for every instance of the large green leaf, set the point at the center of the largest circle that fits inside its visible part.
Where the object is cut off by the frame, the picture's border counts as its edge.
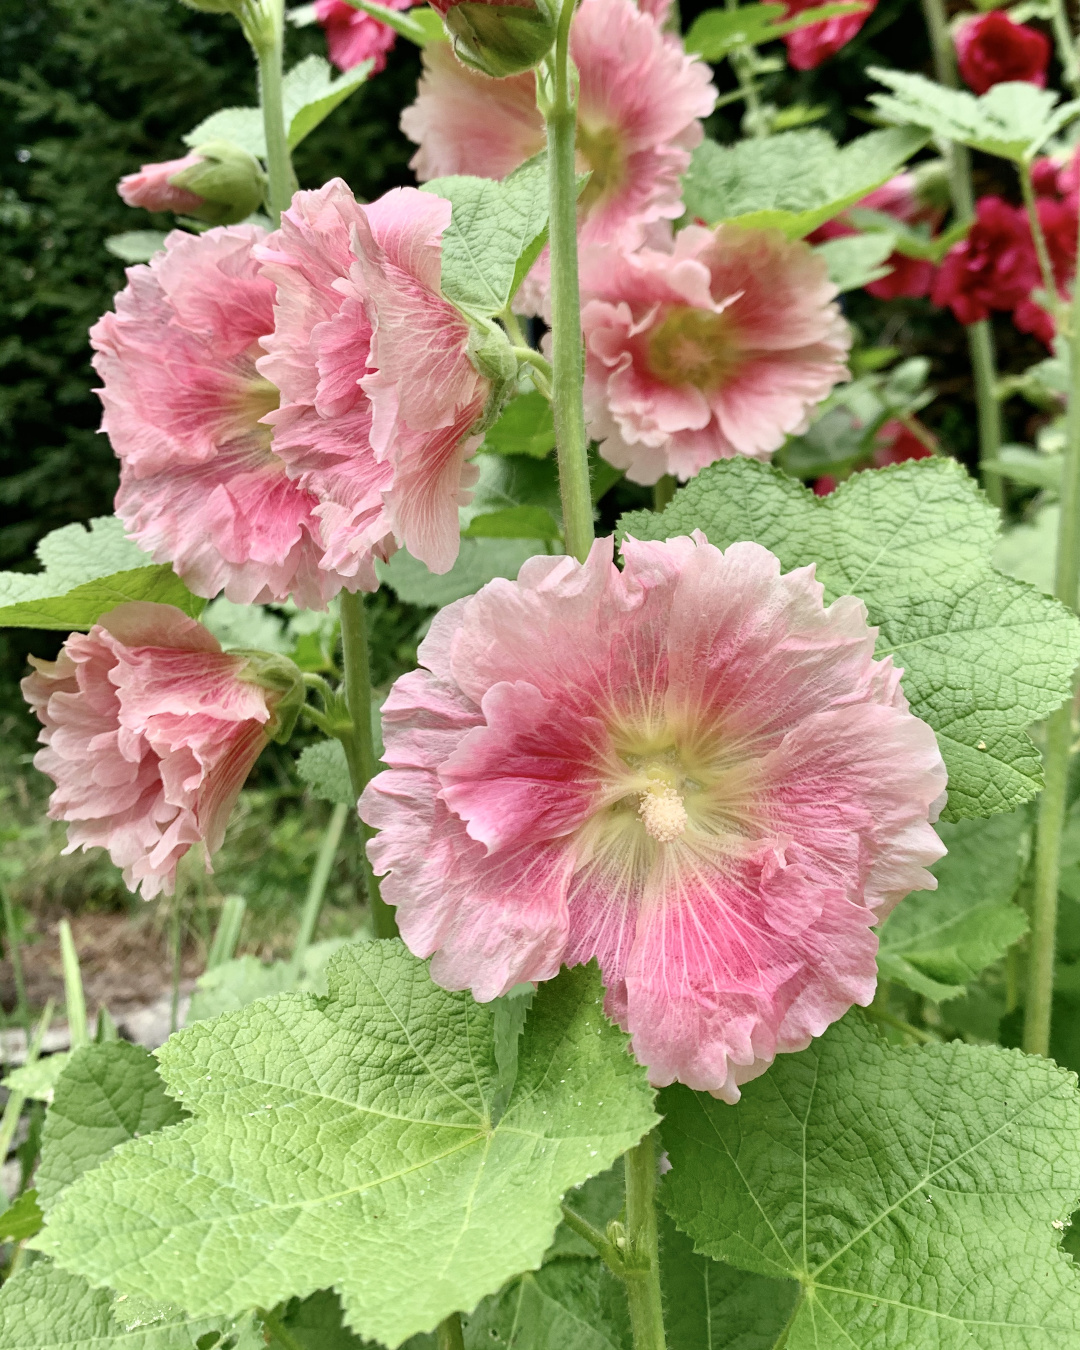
(935, 942)
(526, 426)
(493, 225)
(347, 1141)
(106, 1095)
(478, 562)
(87, 573)
(45, 1308)
(983, 655)
(718, 31)
(310, 93)
(709, 1305)
(917, 1195)
(236, 983)
(794, 181)
(855, 260)
(324, 770)
(1013, 120)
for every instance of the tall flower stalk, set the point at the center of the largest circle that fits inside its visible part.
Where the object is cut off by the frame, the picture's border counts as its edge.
(265, 30)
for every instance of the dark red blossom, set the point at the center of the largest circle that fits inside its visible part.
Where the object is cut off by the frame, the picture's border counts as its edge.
(995, 267)
(810, 46)
(991, 49)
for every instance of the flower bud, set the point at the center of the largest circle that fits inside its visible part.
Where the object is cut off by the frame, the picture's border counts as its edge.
(218, 183)
(492, 355)
(499, 40)
(229, 181)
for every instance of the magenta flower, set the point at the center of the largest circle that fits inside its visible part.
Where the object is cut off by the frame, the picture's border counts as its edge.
(379, 396)
(808, 47)
(640, 100)
(993, 49)
(150, 730)
(200, 486)
(150, 187)
(353, 36)
(690, 769)
(718, 348)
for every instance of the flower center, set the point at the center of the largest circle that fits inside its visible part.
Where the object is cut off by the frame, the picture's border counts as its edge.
(694, 346)
(600, 152)
(662, 812)
(258, 398)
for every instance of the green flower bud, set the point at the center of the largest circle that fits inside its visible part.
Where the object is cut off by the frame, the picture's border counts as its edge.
(500, 40)
(230, 181)
(492, 355)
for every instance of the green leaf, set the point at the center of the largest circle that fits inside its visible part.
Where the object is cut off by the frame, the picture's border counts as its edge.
(44, 1308)
(983, 655)
(136, 246)
(346, 1141)
(325, 772)
(515, 497)
(37, 1081)
(917, 1195)
(421, 25)
(235, 983)
(936, 942)
(1028, 551)
(570, 1304)
(515, 522)
(709, 1305)
(718, 31)
(492, 226)
(526, 426)
(310, 94)
(22, 1218)
(854, 260)
(106, 1095)
(87, 573)
(1012, 120)
(479, 561)
(794, 181)
(1021, 464)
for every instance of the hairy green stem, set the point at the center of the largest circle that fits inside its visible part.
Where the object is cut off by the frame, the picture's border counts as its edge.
(560, 113)
(980, 335)
(1059, 735)
(359, 745)
(320, 876)
(1066, 45)
(267, 36)
(448, 1334)
(642, 1260)
(1046, 267)
(592, 1235)
(14, 953)
(280, 1334)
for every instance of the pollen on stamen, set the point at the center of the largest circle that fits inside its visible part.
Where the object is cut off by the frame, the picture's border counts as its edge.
(663, 814)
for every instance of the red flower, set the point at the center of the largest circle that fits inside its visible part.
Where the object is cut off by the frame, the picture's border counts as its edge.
(896, 442)
(993, 268)
(992, 49)
(909, 276)
(810, 46)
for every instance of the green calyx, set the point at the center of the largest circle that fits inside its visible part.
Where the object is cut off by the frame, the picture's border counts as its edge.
(230, 181)
(282, 678)
(500, 40)
(492, 355)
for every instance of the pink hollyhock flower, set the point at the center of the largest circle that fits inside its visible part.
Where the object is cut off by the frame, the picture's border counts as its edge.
(718, 348)
(639, 103)
(379, 395)
(993, 268)
(353, 36)
(992, 49)
(200, 485)
(150, 730)
(690, 769)
(808, 47)
(150, 187)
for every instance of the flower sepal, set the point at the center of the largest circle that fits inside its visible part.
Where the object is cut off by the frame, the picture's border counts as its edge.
(282, 677)
(500, 40)
(229, 180)
(492, 355)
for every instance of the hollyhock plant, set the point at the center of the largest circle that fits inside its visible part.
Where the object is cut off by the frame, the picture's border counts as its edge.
(150, 730)
(353, 36)
(808, 47)
(690, 769)
(720, 347)
(992, 49)
(379, 394)
(200, 484)
(640, 101)
(995, 267)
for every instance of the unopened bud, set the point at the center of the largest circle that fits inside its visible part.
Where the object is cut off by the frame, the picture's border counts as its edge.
(492, 355)
(499, 39)
(229, 182)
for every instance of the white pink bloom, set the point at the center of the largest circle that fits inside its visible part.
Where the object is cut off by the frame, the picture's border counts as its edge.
(200, 486)
(719, 347)
(379, 394)
(690, 769)
(639, 103)
(353, 36)
(150, 730)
